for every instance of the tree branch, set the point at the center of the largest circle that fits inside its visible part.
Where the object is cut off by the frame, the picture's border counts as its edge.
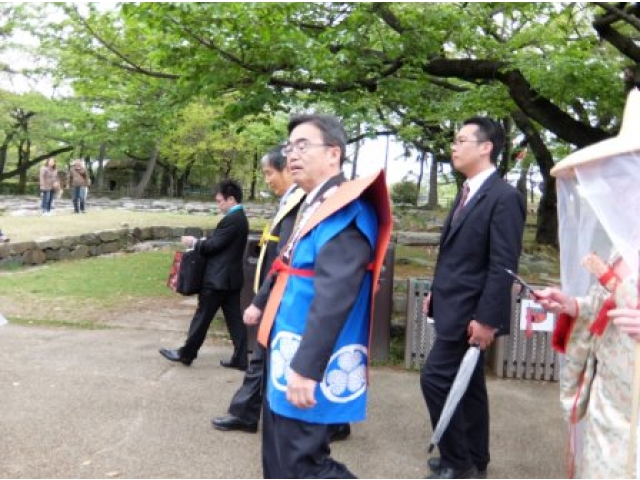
(618, 14)
(36, 160)
(362, 136)
(129, 65)
(606, 31)
(523, 94)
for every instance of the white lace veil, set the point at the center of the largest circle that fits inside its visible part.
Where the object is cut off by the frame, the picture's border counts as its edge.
(599, 211)
(599, 203)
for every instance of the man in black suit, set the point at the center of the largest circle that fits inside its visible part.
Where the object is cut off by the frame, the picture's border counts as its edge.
(470, 299)
(223, 280)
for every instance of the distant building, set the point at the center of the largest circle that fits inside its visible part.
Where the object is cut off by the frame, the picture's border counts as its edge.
(122, 175)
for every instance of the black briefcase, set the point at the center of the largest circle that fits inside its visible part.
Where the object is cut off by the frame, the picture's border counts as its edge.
(187, 272)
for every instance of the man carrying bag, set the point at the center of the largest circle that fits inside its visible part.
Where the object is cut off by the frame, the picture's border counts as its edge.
(222, 282)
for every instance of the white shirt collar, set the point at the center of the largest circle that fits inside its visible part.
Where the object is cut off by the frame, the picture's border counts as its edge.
(290, 190)
(477, 180)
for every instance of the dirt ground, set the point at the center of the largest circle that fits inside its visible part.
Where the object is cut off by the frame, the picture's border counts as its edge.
(159, 314)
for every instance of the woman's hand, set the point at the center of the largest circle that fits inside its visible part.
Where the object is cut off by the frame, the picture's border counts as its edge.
(627, 320)
(556, 301)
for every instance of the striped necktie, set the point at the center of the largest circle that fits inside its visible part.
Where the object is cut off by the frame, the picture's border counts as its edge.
(463, 199)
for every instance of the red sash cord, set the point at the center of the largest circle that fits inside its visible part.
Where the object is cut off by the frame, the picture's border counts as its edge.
(602, 319)
(561, 332)
(599, 325)
(279, 266)
(608, 275)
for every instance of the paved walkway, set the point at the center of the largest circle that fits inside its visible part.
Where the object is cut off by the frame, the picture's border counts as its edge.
(105, 404)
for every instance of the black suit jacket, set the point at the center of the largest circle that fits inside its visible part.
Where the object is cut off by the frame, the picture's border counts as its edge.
(224, 250)
(469, 281)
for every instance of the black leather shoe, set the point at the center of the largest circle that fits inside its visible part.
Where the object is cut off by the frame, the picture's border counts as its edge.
(453, 473)
(230, 422)
(174, 356)
(339, 432)
(230, 364)
(435, 464)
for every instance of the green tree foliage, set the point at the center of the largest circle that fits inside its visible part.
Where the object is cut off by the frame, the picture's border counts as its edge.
(550, 71)
(405, 193)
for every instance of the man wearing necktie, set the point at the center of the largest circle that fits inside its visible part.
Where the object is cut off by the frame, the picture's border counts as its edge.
(470, 298)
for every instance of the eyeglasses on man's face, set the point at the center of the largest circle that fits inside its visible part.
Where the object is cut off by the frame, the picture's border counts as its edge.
(459, 141)
(301, 146)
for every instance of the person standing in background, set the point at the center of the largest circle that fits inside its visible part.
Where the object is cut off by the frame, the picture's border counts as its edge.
(48, 181)
(79, 182)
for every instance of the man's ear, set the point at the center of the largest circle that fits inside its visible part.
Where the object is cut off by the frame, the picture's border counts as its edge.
(335, 156)
(487, 147)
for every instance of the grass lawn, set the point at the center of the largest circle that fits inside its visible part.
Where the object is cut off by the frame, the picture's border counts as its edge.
(22, 229)
(85, 292)
(105, 280)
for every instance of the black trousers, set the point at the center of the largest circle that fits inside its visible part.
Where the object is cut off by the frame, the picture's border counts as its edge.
(466, 440)
(209, 301)
(296, 449)
(247, 401)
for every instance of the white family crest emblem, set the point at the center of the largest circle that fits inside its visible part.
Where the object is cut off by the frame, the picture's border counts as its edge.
(346, 376)
(283, 348)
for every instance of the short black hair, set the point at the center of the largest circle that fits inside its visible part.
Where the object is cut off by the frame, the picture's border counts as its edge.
(274, 158)
(489, 131)
(229, 188)
(333, 133)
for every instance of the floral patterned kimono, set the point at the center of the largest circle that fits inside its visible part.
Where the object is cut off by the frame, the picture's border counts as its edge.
(599, 213)
(606, 425)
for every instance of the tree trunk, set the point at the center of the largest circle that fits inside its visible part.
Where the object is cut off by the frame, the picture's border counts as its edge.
(24, 152)
(99, 175)
(521, 185)
(421, 158)
(547, 226)
(356, 154)
(182, 180)
(144, 182)
(505, 159)
(4, 148)
(433, 184)
(254, 176)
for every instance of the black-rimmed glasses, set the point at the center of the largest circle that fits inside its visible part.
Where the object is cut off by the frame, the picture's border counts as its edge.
(301, 146)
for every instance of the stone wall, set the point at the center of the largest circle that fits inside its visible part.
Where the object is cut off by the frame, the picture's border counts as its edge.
(128, 240)
(88, 244)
